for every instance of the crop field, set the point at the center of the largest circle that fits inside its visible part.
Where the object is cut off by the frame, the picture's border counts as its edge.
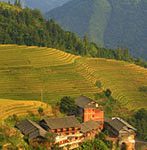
(28, 72)
(127, 82)
(33, 73)
(10, 107)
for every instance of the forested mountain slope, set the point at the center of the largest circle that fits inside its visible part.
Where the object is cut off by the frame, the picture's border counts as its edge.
(109, 23)
(43, 5)
(28, 27)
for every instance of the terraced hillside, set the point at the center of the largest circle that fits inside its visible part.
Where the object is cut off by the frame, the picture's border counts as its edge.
(26, 72)
(10, 107)
(32, 72)
(128, 82)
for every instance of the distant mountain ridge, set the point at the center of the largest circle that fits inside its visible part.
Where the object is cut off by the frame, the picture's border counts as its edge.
(43, 5)
(109, 23)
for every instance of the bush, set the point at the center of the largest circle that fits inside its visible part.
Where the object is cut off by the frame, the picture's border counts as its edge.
(98, 84)
(95, 144)
(139, 120)
(108, 92)
(40, 110)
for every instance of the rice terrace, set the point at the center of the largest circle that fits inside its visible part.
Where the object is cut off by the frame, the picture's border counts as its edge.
(26, 73)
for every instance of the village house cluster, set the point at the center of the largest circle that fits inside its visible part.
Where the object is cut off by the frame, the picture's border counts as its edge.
(69, 133)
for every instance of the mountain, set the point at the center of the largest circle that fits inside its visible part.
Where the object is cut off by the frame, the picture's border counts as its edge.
(109, 23)
(84, 17)
(28, 27)
(43, 5)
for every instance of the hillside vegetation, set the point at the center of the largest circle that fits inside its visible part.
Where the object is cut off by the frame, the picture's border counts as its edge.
(43, 5)
(28, 27)
(29, 72)
(108, 23)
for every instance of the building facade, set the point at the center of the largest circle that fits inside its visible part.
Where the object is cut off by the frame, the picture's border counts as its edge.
(122, 131)
(67, 130)
(90, 110)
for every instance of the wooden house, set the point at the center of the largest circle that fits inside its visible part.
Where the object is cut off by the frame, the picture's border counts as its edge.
(68, 130)
(32, 131)
(89, 109)
(123, 131)
(90, 129)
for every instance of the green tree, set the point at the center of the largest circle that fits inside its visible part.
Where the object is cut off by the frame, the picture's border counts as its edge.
(95, 144)
(139, 120)
(40, 110)
(108, 92)
(67, 106)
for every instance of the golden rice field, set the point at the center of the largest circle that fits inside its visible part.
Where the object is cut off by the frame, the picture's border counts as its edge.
(11, 107)
(125, 80)
(28, 72)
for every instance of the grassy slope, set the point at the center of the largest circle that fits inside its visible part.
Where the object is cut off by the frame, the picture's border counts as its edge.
(26, 71)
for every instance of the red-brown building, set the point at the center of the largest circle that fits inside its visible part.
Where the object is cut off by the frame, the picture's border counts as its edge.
(90, 110)
(67, 129)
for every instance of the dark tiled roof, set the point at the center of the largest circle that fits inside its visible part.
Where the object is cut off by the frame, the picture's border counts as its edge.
(89, 126)
(31, 129)
(119, 124)
(85, 102)
(58, 123)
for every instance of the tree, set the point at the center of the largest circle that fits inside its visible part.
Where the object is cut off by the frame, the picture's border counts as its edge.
(67, 106)
(17, 3)
(108, 92)
(139, 121)
(95, 144)
(28, 27)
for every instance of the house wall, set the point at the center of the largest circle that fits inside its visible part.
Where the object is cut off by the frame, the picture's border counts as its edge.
(112, 132)
(93, 114)
(91, 134)
(129, 141)
(66, 131)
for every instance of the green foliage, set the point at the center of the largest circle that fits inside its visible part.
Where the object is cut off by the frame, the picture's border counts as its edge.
(143, 89)
(102, 137)
(50, 137)
(67, 106)
(140, 62)
(108, 92)
(111, 106)
(98, 84)
(12, 138)
(17, 3)
(40, 110)
(99, 143)
(95, 144)
(139, 120)
(28, 27)
(106, 23)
